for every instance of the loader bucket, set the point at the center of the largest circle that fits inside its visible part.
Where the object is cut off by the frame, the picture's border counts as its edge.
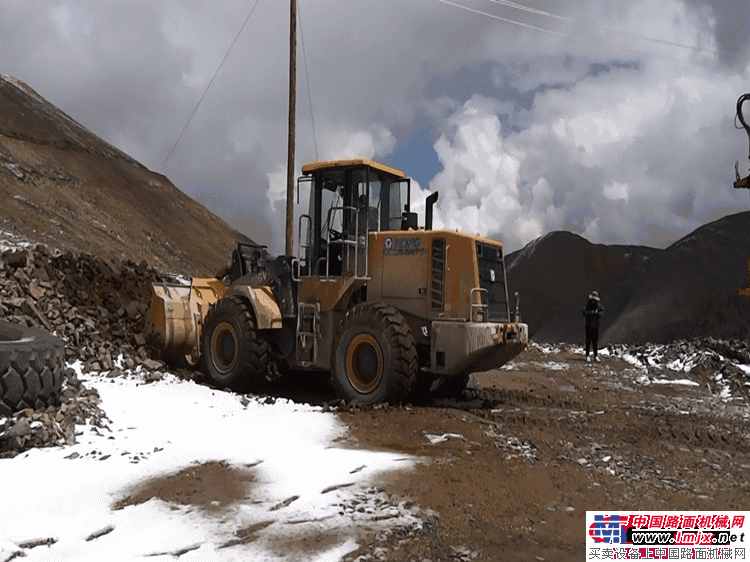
(173, 323)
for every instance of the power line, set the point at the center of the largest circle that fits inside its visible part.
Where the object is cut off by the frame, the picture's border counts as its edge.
(209, 85)
(536, 11)
(307, 79)
(528, 9)
(514, 22)
(566, 35)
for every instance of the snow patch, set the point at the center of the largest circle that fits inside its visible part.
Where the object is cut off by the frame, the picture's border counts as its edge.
(14, 169)
(548, 365)
(685, 382)
(159, 428)
(10, 241)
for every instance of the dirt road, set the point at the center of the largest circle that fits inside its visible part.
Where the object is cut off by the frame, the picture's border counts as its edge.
(508, 472)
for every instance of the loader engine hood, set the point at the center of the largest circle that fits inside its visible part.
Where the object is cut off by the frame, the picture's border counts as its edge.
(440, 274)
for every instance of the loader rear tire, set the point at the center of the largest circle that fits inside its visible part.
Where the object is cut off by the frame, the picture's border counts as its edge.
(375, 357)
(235, 356)
(31, 368)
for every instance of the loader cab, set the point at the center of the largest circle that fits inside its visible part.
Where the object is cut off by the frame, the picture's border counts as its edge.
(348, 199)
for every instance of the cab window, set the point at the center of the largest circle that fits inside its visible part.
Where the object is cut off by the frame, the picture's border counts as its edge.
(330, 208)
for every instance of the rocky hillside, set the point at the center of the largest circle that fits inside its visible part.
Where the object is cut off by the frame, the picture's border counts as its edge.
(686, 290)
(64, 186)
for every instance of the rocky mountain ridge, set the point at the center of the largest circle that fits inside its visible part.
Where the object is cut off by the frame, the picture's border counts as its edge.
(63, 186)
(686, 290)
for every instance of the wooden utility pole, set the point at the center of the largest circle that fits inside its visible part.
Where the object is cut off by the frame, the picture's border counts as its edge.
(291, 132)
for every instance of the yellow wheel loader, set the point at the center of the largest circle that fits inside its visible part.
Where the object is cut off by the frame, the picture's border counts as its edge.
(387, 307)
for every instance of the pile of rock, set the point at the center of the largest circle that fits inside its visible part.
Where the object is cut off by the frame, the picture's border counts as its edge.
(733, 349)
(96, 306)
(713, 361)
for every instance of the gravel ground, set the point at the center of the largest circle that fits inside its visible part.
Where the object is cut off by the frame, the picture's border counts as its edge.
(509, 471)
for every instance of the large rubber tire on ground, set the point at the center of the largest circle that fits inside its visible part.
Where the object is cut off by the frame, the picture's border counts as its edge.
(235, 356)
(374, 355)
(31, 368)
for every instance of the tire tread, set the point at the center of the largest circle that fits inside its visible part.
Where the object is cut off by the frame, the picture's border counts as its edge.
(31, 368)
(403, 349)
(250, 373)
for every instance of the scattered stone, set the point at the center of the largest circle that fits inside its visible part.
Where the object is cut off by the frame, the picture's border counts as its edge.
(285, 503)
(176, 553)
(153, 376)
(35, 290)
(153, 365)
(38, 542)
(515, 447)
(100, 533)
(14, 258)
(133, 309)
(82, 299)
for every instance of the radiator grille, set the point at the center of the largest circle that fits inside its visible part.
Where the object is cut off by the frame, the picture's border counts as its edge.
(492, 279)
(437, 278)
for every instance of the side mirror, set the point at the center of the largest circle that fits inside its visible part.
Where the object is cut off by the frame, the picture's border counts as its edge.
(409, 220)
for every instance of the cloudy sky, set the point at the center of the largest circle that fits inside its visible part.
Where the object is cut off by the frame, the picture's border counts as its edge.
(610, 118)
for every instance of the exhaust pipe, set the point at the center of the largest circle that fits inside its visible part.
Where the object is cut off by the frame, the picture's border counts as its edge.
(431, 199)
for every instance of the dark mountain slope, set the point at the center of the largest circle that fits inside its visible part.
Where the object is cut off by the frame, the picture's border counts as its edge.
(688, 289)
(555, 274)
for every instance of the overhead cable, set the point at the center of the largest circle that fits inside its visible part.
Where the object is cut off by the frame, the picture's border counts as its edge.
(506, 20)
(536, 11)
(307, 79)
(208, 86)
(559, 34)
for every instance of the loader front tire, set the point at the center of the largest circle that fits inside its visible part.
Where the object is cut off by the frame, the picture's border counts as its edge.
(375, 357)
(235, 356)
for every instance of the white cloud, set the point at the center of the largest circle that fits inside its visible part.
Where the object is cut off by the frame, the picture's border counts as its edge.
(478, 183)
(616, 190)
(600, 131)
(375, 141)
(608, 157)
(70, 20)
